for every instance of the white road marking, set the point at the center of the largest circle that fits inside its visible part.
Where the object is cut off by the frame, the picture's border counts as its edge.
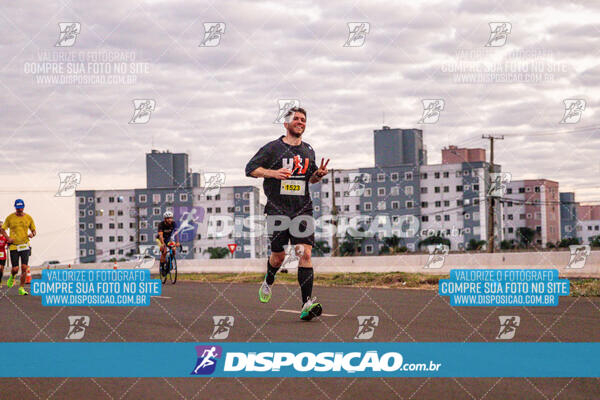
(162, 297)
(298, 312)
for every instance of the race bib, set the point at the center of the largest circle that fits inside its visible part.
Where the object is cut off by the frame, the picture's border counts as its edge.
(294, 187)
(22, 247)
(1, 254)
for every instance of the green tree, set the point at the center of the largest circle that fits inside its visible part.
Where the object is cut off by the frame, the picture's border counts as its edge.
(568, 242)
(320, 248)
(595, 241)
(393, 245)
(507, 244)
(217, 252)
(525, 236)
(475, 244)
(436, 239)
(351, 245)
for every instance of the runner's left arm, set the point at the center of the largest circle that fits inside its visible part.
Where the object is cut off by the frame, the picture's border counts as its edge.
(32, 229)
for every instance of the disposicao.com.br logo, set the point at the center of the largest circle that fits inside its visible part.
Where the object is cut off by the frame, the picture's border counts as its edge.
(308, 363)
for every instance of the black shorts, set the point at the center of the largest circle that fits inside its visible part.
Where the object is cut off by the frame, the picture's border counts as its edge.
(2, 263)
(23, 255)
(301, 231)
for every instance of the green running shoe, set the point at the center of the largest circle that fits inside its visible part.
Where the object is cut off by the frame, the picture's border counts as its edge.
(264, 293)
(11, 281)
(311, 309)
(22, 291)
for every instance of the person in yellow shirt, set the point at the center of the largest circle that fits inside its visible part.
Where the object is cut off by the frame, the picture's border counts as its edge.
(20, 225)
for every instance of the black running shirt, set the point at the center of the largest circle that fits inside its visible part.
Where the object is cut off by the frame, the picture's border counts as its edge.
(290, 197)
(167, 230)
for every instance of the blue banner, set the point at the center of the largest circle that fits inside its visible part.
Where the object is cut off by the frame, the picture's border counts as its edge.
(301, 360)
(96, 287)
(504, 287)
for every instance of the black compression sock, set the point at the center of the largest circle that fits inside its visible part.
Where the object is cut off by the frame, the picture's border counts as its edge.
(1, 272)
(305, 279)
(271, 271)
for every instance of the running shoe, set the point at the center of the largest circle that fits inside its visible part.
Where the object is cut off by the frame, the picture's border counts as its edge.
(311, 309)
(11, 281)
(264, 293)
(22, 291)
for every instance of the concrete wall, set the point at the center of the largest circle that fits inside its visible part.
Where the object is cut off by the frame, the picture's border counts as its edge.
(400, 263)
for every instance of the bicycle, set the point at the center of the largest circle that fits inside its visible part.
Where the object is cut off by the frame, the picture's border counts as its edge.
(170, 264)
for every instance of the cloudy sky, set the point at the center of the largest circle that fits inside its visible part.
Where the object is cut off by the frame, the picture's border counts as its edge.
(69, 107)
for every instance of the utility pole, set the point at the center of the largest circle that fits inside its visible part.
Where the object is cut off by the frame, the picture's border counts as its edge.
(334, 213)
(491, 199)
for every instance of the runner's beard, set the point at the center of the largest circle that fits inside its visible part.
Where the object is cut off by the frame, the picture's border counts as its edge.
(295, 134)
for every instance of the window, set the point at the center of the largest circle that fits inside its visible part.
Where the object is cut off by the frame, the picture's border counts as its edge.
(408, 190)
(459, 188)
(395, 205)
(111, 238)
(346, 208)
(156, 211)
(459, 203)
(438, 203)
(424, 204)
(111, 199)
(424, 175)
(409, 204)
(218, 210)
(380, 177)
(380, 192)
(325, 180)
(111, 226)
(90, 212)
(394, 191)
(337, 180)
(237, 195)
(346, 179)
(111, 213)
(120, 212)
(98, 199)
(119, 238)
(467, 216)
(183, 197)
(521, 190)
(521, 216)
(408, 176)
(367, 206)
(90, 199)
(155, 224)
(509, 204)
(476, 188)
(143, 237)
(369, 248)
(466, 172)
(436, 189)
(446, 203)
(156, 198)
(143, 224)
(82, 200)
(99, 239)
(368, 192)
(476, 216)
(317, 208)
(438, 217)
(446, 189)
(142, 198)
(510, 230)
(424, 218)
(509, 191)
(467, 187)
(446, 174)
(436, 175)
(423, 190)
(245, 196)
(81, 239)
(537, 189)
(510, 217)
(467, 230)
(246, 209)
(170, 197)
(458, 174)
(446, 217)
(529, 216)
(98, 226)
(394, 176)
(337, 194)
(82, 227)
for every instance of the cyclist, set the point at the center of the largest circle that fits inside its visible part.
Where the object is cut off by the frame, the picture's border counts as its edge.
(166, 232)
(19, 225)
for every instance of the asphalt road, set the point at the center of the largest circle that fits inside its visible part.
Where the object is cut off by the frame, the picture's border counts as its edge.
(184, 314)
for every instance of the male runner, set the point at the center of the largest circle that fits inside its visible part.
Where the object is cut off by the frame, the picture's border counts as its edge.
(166, 227)
(287, 166)
(3, 253)
(19, 225)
